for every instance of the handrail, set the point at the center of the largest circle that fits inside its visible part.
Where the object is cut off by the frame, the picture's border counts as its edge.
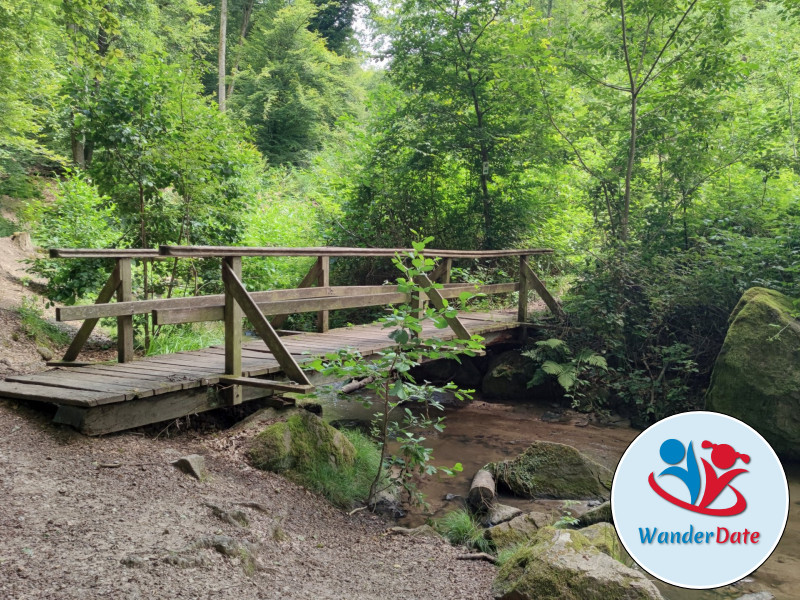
(223, 251)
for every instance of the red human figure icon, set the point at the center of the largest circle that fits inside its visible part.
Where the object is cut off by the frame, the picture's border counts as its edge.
(724, 457)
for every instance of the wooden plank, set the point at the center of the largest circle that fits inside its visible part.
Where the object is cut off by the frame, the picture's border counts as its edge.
(223, 251)
(310, 279)
(72, 363)
(144, 411)
(43, 393)
(141, 307)
(237, 291)
(324, 263)
(103, 253)
(540, 289)
(233, 327)
(116, 392)
(268, 384)
(436, 299)
(88, 326)
(124, 323)
(163, 377)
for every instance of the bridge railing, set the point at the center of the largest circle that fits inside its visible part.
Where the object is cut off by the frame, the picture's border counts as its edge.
(313, 294)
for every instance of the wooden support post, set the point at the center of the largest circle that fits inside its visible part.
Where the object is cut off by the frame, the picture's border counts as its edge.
(89, 324)
(324, 280)
(540, 289)
(524, 288)
(237, 291)
(442, 272)
(310, 279)
(125, 323)
(439, 302)
(233, 327)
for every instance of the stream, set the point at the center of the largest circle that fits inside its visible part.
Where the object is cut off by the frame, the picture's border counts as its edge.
(482, 432)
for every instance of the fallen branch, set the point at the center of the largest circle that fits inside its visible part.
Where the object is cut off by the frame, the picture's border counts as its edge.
(478, 556)
(356, 385)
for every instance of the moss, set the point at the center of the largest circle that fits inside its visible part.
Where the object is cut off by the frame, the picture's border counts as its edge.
(550, 470)
(755, 377)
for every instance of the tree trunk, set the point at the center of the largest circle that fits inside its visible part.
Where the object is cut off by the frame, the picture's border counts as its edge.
(482, 491)
(223, 28)
(626, 199)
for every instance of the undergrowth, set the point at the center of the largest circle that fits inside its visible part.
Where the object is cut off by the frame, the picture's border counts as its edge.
(460, 528)
(36, 327)
(6, 227)
(182, 338)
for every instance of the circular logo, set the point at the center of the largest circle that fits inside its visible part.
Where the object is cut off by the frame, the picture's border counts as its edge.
(700, 500)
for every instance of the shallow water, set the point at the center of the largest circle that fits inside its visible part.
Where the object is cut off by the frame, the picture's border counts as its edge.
(483, 432)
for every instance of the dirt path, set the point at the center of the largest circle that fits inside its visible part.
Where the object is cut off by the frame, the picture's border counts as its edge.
(72, 528)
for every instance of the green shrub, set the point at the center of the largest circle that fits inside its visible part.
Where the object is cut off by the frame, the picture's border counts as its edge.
(460, 528)
(6, 227)
(182, 338)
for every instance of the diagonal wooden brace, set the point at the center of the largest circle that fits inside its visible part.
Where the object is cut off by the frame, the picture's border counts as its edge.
(540, 289)
(234, 286)
(88, 325)
(313, 276)
(439, 302)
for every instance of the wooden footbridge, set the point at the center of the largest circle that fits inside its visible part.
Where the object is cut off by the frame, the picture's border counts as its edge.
(100, 398)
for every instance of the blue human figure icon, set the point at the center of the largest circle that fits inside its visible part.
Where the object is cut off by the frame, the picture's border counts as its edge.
(672, 452)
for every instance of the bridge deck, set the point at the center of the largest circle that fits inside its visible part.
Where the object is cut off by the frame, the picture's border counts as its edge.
(188, 376)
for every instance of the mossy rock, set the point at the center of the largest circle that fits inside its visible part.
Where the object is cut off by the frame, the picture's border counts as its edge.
(508, 376)
(599, 514)
(300, 442)
(604, 537)
(756, 377)
(519, 529)
(560, 564)
(551, 470)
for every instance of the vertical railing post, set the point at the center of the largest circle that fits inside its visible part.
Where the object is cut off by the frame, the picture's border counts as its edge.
(124, 324)
(524, 288)
(324, 280)
(233, 330)
(448, 266)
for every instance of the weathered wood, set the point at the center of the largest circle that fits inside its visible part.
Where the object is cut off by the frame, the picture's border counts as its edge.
(540, 289)
(356, 384)
(524, 288)
(324, 263)
(124, 391)
(71, 363)
(103, 253)
(481, 491)
(233, 325)
(441, 273)
(268, 384)
(222, 251)
(439, 302)
(310, 279)
(124, 324)
(88, 326)
(43, 393)
(237, 291)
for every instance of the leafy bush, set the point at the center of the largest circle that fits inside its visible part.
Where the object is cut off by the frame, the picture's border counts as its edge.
(460, 528)
(6, 227)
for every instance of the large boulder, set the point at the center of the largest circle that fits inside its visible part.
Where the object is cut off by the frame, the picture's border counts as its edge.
(551, 470)
(301, 441)
(519, 529)
(561, 564)
(757, 375)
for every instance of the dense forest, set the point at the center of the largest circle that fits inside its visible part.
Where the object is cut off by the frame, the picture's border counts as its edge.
(653, 144)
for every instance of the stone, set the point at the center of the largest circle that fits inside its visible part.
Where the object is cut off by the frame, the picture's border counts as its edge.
(508, 376)
(551, 470)
(561, 564)
(45, 352)
(756, 376)
(499, 513)
(194, 465)
(604, 537)
(465, 374)
(519, 529)
(301, 441)
(599, 514)
(757, 596)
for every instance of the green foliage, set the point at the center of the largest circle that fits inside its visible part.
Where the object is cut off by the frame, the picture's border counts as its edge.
(79, 217)
(460, 528)
(36, 327)
(393, 390)
(6, 227)
(180, 338)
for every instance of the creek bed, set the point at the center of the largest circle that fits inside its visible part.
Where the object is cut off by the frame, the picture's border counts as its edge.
(482, 432)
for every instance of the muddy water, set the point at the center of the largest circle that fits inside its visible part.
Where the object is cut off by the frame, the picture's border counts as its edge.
(483, 432)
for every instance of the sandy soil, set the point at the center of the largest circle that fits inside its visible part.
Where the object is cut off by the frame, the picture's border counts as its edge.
(73, 527)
